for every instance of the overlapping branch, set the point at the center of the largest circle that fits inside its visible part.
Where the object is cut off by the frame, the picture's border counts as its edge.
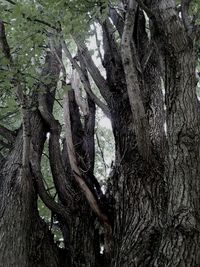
(75, 168)
(93, 70)
(85, 81)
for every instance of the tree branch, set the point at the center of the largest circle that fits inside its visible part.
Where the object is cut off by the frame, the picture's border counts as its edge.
(11, 2)
(98, 43)
(117, 20)
(146, 57)
(6, 145)
(8, 134)
(101, 153)
(66, 193)
(55, 207)
(75, 84)
(132, 79)
(85, 81)
(93, 70)
(185, 15)
(77, 174)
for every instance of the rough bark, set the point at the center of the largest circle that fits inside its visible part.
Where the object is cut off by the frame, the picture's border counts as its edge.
(132, 69)
(152, 202)
(180, 239)
(25, 238)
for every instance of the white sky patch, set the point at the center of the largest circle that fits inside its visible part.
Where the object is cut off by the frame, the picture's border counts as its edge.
(105, 122)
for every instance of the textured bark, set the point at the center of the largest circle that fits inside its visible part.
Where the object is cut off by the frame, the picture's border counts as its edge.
(25, 238)
(152, 201)
(84, 236)
(180, 239)
(132, 69)
(135, 186)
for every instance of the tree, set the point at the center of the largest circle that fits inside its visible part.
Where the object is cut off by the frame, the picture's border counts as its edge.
(149, 213)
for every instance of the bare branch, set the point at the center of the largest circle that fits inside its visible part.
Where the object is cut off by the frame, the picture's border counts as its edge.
(93, 70)
(77, 174)
(55, 207)
(117, 20)
(62, 184)
(101, 152)
(3, 42)
(85, 81)
(11, 2)
(9, 114)
(98, 42)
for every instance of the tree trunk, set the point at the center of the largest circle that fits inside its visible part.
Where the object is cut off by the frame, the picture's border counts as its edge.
(180, 238)
(25, 239)
(152, 208)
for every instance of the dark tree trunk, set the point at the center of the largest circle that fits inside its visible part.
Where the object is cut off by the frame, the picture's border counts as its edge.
(149, 215)
(25, 239)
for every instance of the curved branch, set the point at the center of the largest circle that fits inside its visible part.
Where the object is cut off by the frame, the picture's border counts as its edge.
(63, 187)
(55, 207)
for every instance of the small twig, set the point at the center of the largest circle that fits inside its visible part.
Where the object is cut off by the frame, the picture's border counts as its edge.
(98, 43)
(43, 153)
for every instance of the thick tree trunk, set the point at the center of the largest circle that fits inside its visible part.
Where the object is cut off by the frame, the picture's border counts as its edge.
(180, 244)
(25, 239)
(155, 186)
(138, 191)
